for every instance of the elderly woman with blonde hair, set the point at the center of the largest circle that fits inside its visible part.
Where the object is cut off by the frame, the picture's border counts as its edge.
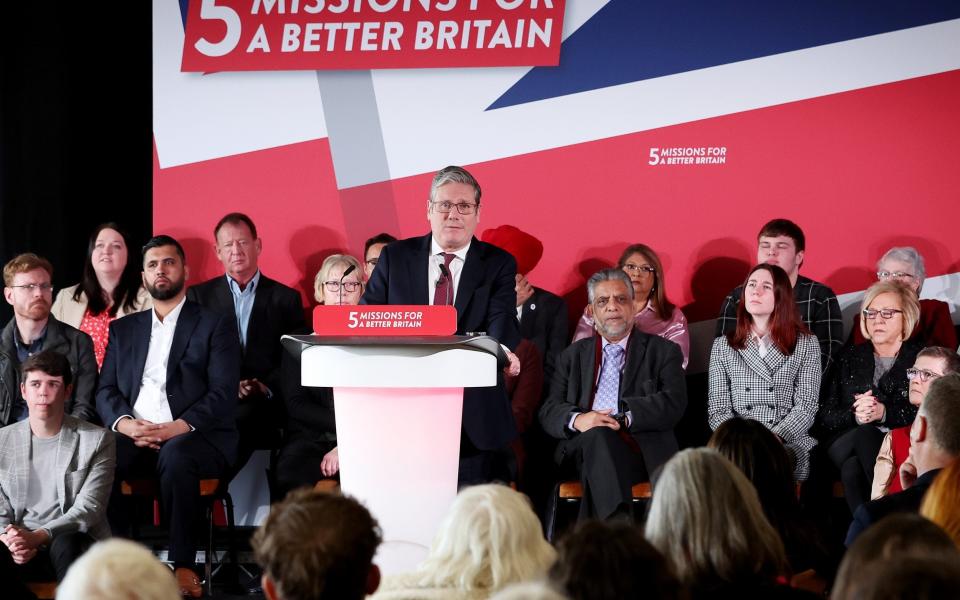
(706, 519)
(490, 538)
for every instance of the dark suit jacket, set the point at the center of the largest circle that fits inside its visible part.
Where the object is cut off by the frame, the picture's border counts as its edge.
(203, 372)
(277, 311)
(906, 501)
(853, 374)
(9, 388)
(486, 301)
(543, 321)
(653, 388)
(78, 348)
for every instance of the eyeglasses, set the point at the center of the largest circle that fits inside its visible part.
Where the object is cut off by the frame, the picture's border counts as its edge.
(921, 374)
(348, 286)
(464, 208)
(642, 269)
(32, 287)
(886, 313)
(881, 275)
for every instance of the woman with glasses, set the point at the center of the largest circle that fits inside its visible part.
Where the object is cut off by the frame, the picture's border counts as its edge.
(111, 288)
(867, 392)
(767, 368)
(932, 363)
(935, 327)
(655, 314)
(309, 451)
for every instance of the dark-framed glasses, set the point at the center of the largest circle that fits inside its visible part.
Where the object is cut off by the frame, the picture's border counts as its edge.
(464, 208)
(881, 275)
(921, 374)
(32, 287)
(348, 286)
(639, 269)
(886, 313)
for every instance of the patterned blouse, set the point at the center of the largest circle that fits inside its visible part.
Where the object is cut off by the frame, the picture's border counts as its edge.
(98, 328)
(647, 321)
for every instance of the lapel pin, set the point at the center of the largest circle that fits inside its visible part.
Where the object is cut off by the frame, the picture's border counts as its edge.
(533, 307)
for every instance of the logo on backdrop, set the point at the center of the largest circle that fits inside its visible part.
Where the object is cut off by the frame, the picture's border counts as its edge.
(687, 155)
(289, 35)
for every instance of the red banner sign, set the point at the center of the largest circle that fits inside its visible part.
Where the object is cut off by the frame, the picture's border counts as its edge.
(385, 320)
(289, 35)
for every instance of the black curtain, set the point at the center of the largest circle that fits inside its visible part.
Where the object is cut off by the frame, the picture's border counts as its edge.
(76, 146)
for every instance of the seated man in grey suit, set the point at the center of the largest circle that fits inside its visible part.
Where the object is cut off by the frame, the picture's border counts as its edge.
(615, 428)
(55, 477)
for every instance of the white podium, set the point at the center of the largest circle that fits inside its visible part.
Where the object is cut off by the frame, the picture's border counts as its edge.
(399, 403)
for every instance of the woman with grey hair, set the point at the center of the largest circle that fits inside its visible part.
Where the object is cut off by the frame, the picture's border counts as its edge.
(935, 327)
(705, 517)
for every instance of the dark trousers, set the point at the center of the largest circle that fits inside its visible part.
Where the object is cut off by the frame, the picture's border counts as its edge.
(855, 454)
(47, 564)
(481, 466)
(258, 422)
(608, 466)
(179, 466)
(298, 463)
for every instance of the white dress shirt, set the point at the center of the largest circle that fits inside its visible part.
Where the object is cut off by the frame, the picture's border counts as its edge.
(151, 402)
(433, 268)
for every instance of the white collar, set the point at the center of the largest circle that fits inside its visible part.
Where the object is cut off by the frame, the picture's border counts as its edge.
(436, 249)
(171, 317)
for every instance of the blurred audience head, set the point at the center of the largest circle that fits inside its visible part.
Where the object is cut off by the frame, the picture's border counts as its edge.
(317, 546)
(488, 539)
(643, 267)
(935, 433)
(903, 264)
(531, 590)
(706, 519)
(931, 363)
(610, 561)
(371, 251)
(941, 503)
(889, 312)
(118, 569)
(896, 539)
(339, 281)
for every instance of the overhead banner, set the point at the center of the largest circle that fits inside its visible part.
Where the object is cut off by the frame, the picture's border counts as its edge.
(292, 35)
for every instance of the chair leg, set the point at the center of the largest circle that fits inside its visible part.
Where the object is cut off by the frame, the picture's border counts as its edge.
(552, 513)
(231, 531)
(208, 555)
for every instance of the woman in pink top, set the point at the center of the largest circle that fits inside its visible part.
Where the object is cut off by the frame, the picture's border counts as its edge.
(656, 315)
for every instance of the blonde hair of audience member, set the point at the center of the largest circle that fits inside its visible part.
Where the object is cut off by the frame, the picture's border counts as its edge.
(941, 503)
(332, 269)
(531, 590)
(706, 519)
(909, 304)
(118, 569)
(488, 539)
(895, 538)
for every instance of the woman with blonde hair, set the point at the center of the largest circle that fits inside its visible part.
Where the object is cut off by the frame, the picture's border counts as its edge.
(706, 519)
(868, 390)
(941, 503)
(490, 538)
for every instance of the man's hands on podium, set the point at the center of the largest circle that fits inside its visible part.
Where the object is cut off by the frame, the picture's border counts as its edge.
(595, 418)
(147, 434)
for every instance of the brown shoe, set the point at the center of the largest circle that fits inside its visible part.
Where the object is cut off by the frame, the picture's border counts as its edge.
(189, 583)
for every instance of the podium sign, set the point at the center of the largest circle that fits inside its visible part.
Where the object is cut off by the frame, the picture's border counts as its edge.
(384, 320)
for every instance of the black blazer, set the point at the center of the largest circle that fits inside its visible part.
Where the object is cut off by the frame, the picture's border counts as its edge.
(853, 374)
(78, 348)
(277, 311)
(203, 372)
(543, 321)
(908, 500)
(309, 410)
(486, 301)
(9, 387)
(653, 388)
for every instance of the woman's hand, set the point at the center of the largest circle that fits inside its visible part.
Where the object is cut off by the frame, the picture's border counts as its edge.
(866, 408)
(330, 464)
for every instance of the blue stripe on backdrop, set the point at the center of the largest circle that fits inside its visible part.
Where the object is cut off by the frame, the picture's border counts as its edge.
(634, 40)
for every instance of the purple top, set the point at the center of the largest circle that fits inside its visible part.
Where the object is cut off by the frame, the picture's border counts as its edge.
(647, 321)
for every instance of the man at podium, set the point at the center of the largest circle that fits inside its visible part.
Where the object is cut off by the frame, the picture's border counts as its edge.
(450, 266)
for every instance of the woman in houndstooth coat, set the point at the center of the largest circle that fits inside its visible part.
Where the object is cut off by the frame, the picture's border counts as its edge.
(768, 368)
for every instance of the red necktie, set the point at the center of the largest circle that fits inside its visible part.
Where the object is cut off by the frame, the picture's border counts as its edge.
(443, 293)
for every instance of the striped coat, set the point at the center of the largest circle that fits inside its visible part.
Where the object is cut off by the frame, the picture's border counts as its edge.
(779, 391)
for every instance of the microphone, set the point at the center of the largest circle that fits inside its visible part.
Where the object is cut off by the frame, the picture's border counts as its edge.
(349, 270)
(445, 273)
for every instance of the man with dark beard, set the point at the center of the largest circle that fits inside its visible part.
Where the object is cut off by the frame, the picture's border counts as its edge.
(27, 288)
(169, 389)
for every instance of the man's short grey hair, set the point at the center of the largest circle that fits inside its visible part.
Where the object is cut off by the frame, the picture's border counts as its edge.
(608, 275)
(907, 254)
(941, 408)
(454, 174)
